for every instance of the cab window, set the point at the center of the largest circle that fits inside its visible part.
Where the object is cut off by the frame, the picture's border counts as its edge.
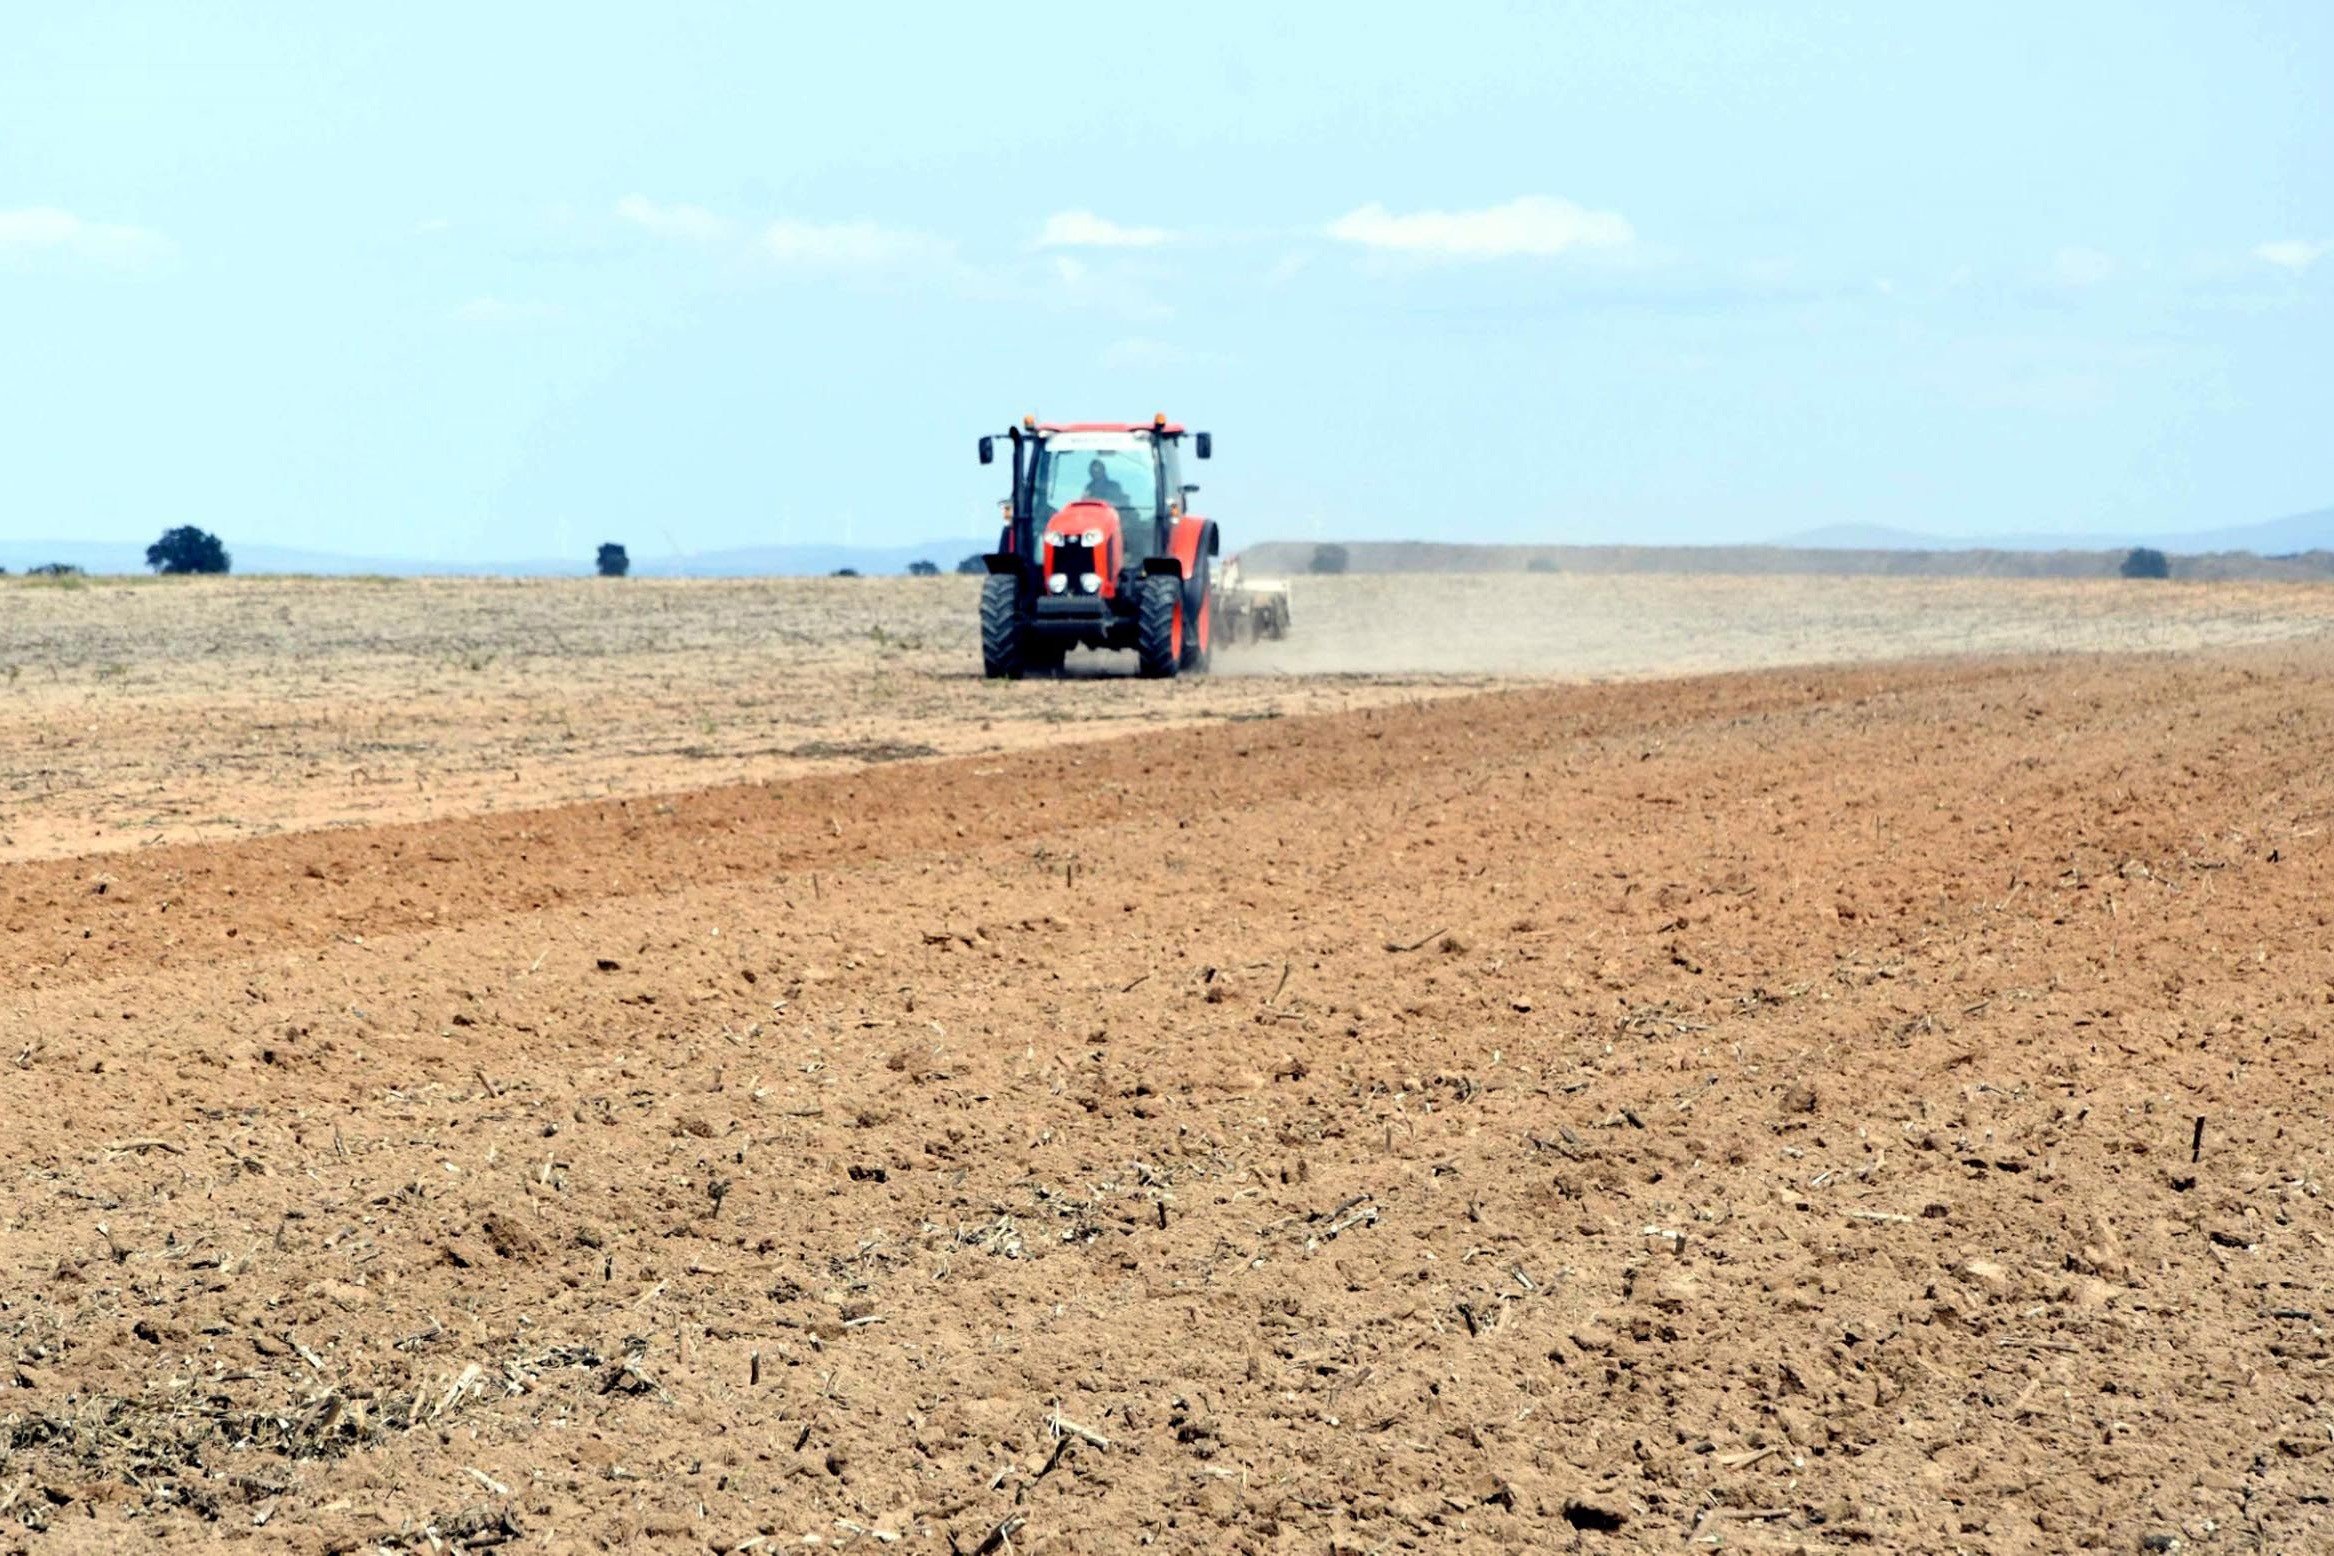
(1120, 471)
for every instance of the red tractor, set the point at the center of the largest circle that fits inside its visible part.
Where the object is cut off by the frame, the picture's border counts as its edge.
(1099, 548)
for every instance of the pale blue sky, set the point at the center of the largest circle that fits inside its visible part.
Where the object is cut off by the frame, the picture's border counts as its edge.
(478, 281)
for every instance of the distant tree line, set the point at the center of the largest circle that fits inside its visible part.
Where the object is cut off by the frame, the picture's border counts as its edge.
(186, 549)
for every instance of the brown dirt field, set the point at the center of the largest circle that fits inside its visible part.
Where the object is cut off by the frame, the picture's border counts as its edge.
(1751, 1112)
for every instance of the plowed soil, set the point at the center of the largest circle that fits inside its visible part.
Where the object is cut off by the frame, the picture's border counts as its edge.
(1877, 1108)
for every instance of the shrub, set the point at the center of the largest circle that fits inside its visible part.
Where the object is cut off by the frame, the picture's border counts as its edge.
(1329, 559)
(2147, 562)
(923, 569)
(973, 564)
(612, 561)
(188, 550)
(846, 572)
(54, 570)
(1542, 564)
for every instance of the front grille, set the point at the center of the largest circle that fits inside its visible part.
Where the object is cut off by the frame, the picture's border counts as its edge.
(1072, 561)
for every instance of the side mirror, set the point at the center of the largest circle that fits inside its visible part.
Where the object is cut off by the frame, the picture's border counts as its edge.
(988, 451)
(1204, 444)
(1188, 490)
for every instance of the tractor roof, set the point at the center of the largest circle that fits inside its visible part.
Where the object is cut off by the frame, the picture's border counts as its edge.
(1164, 428)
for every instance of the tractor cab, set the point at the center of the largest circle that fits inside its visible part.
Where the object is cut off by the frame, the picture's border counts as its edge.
(1097, 501)
(1098, 511)
(1123, 471)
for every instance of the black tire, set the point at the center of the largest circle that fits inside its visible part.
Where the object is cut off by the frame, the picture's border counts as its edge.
(1156, 610)
(1004, 646)
(1196, 609)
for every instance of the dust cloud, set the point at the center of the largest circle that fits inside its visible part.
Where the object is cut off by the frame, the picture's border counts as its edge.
(1590, 628)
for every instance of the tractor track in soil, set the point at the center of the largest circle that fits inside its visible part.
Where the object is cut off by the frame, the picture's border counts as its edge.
(1760, 1107)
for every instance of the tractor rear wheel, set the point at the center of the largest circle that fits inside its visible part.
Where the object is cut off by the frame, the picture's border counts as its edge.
(1004, 647)
(1159, 625)
(1199, 622)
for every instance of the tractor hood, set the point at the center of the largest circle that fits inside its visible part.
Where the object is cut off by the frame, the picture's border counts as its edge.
(1084, 539)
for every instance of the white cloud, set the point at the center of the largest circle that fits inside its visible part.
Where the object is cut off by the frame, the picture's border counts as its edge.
(851, 245)
(2082, 266)
(1536, 225)
(45, 229)
(692, 222)
(2294, 253)
(1085, 230)
(494, 310)
(1069, 282)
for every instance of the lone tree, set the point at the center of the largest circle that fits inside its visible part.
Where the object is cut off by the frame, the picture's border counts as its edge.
(1329, 559)
(612, 562)
(923, 569)
(846, 572)
(188, 550)
(2147, 562)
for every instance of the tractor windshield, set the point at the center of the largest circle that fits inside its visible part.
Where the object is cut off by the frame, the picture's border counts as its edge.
(1119, 468)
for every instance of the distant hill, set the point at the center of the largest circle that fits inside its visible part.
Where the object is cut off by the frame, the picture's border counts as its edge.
(788, 561)
(1878, 537)
(98, 556)
(110, 556)
(2312, 531)
(1283, 558)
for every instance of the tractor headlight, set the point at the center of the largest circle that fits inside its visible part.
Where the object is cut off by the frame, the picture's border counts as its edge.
(1055, 583)
(1052, 539)
(1090, 539)
(1090, 582)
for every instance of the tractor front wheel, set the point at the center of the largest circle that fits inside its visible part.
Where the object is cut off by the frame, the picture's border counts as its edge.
(1004, 646)
(1159, 625)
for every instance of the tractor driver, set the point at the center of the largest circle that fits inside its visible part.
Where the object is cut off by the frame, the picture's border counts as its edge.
(1101, 488)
